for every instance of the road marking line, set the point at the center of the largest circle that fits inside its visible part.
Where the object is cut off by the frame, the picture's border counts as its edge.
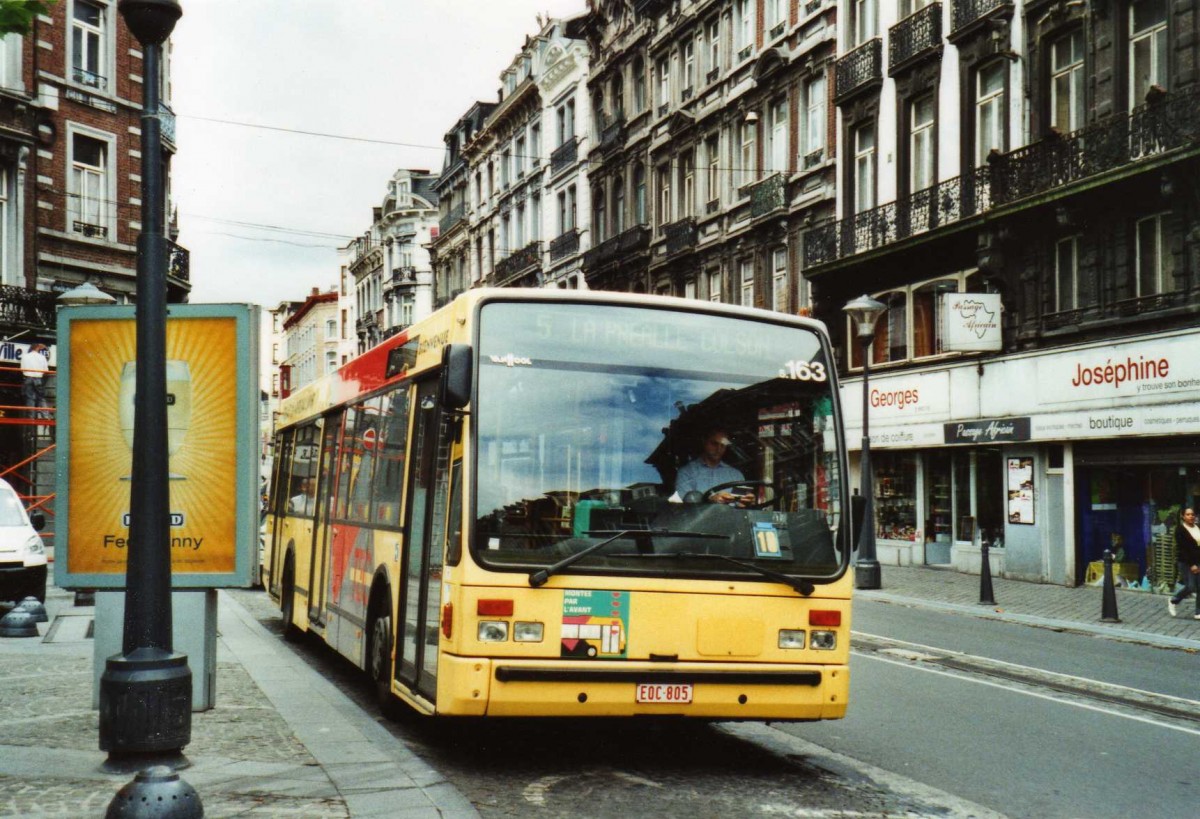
(1060, 699)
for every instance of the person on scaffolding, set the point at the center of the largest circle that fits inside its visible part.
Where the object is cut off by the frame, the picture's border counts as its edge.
(34, 367)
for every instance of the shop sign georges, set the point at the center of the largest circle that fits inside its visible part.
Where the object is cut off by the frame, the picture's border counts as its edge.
(912, 397)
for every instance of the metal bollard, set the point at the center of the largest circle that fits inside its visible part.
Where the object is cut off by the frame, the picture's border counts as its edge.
(156, 792)
(986, 596)
(1108, 608)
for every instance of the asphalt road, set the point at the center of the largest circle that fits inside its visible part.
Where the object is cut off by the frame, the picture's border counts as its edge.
(950, 716)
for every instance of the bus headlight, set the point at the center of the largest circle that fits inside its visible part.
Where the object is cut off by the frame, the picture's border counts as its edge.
(527, 632)
(824, 640)
(791, 638)
(493, 631)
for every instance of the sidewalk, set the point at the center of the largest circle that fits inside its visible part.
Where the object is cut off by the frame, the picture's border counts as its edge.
(281, 740)
(1144, 617)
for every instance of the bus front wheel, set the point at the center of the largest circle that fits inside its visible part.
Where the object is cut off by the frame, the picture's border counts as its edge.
(379, 665)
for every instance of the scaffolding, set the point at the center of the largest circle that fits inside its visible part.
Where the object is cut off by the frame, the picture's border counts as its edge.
(28, 446)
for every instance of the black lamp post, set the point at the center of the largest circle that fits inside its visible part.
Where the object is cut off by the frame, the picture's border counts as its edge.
(864, 312)
(146, 691)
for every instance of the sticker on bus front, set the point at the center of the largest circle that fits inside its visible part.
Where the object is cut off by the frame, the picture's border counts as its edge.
(766, 540)
(594, 623)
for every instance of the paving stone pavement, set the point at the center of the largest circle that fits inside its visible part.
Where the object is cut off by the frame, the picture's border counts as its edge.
(281, 741)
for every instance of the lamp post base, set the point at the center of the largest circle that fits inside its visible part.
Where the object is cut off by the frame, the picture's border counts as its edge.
(146, 703)
(867, 575)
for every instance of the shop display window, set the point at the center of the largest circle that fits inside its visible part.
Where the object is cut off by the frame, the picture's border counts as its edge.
(895, 496)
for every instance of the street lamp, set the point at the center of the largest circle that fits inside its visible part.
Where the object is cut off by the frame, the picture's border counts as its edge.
(864, 312)
(86, 293)
(146, 691)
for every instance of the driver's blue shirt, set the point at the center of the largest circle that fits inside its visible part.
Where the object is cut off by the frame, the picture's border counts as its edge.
(697, 476)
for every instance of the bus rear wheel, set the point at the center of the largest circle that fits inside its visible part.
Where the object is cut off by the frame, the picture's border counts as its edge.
(287, 601)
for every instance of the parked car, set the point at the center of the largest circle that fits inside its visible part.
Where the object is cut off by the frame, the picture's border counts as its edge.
(22, 554)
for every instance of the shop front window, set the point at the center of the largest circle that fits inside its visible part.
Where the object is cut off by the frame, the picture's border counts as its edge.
(895, 495)
(938, 522)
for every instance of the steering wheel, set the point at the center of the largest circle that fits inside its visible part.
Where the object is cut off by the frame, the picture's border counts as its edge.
(730, 484)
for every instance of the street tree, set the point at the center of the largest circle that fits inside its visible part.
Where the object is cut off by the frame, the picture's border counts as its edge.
(16, 16)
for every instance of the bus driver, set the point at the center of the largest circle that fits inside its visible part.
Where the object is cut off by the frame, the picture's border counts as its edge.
(708, 470)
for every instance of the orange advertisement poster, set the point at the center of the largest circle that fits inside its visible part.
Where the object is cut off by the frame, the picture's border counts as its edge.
(202, 371)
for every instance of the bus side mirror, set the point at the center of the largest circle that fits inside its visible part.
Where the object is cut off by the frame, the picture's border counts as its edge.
(456, 377)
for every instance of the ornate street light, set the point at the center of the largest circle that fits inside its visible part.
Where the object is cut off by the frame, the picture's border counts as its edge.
(146, 691)
(865, 312)
(86, 293)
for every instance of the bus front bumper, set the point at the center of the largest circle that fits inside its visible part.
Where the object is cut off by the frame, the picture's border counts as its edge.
(580, 688)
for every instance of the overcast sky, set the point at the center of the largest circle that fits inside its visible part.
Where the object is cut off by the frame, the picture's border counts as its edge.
(263, 209)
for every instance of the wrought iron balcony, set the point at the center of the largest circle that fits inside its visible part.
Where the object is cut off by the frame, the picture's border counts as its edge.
(634, 238)
(860, 69)
(767, 196)
(452, 217)
(777, 31)
(519, 261)
(712, 76)
(811, 6)
(90, 230)
(965, 12)
(916, 36)
(564, 155)
(648, 8)
(179, 262)
(27, 308)
(1053, 164)
(564, 245)
(404, 273)
(616, 247)
(90, 78)
(613, 133)
(680, 235)
(166, 123)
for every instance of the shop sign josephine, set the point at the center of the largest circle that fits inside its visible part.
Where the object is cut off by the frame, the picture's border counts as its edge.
(1165, 369)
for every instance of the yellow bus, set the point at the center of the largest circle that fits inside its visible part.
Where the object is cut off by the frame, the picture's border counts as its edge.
(563, 503)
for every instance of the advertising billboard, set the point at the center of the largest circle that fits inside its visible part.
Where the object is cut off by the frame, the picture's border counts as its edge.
(212, 441)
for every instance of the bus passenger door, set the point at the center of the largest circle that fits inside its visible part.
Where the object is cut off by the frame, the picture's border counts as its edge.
(326, 472)
(421, 568)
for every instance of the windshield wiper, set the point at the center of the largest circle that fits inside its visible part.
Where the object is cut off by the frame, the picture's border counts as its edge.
(540, 577)
(805, 587)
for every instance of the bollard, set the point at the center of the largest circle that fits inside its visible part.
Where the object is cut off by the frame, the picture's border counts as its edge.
(35, 608)
(18, 623)
(1108, 608)
(986, 596)
(156, 792)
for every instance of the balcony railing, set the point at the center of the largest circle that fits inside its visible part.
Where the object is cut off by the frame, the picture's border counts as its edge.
(613, 133)
(564, 245)
(518, 261)
(1044, 166)
(564, 155)
(649, 7)
(179, 262)
(615, 247)
(166, 123)
(918, 35)
(452, 217)
(965, 12)
(90, 230)
(712, 75)
(404, 273)
(27, 308)
(90, 78)
(767, 196)
(859, 68)
(680, 235)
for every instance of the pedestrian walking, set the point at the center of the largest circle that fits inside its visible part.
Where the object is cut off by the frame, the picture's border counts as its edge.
(34, 367)
(1187, 552)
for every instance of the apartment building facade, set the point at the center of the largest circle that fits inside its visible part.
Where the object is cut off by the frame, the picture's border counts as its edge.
(453, 255)
(714, 152)
(1023, 174)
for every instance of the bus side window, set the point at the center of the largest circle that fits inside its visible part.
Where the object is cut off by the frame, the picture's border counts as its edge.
(389, 472)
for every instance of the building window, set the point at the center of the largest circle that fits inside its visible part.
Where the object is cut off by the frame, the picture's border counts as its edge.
(89, 186)
(1066, 281)
(331, 361)
(989, 110)
(535, 217)
(88, 35)
(572, 198)
(664, 194)
(744, 21)
(746, 269)
(599, 223)
(689, 289)
(1154, 268)
(618, 97)
(921, 143)
(864, 168)
(748, 162)
(687, 193)
(712, 183)
(1147, 48)
(663, 78)
(639, 86)
(639, 194)
(865, 16)
(1066, 82)
(566, 122)
(779, 288)
(689, 66)
(714, 284)
(713, 36)
(618, 206)
(331, 329)
(912, 326)
(815, 122)
(776, 14)
(779, 136)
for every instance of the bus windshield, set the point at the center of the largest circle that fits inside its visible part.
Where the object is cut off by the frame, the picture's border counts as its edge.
(674, 435)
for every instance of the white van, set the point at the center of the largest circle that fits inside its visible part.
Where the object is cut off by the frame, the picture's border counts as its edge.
(22, 555)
